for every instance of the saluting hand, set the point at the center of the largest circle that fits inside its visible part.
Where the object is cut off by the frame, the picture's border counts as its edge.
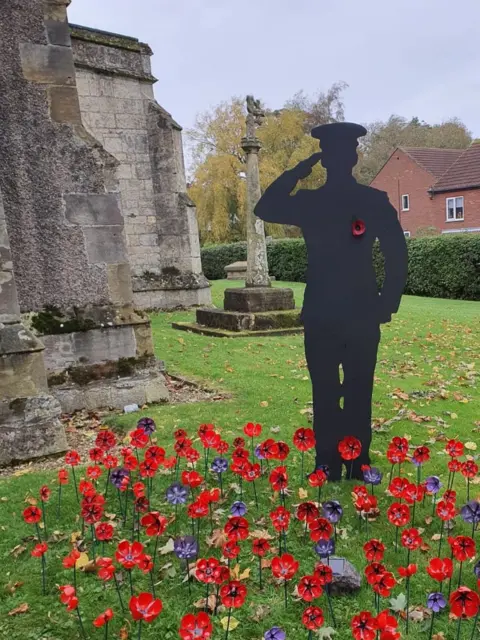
(304, 168)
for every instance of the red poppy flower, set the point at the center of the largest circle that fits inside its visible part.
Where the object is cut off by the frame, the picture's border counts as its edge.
(324, 573)
(203, 428)
(92, 512)
(307, 511)
(464, 603)
(384, 584)
(309, 588)
(39, 549)
(182, 445)
(236, 528)
(45, 493)
(233, 594)
(279, 479)
(138, 439)
(180, 433)
(312, 618)
(397, 487)
(62, 476)
(366, 504)
(195, 627)
(192, 455)
(407, 572)
(111, 462)
(284, 566)
(222, 575)
(145, 607)
(94, 472)
(387, 625)
(283, 451)
(317, 478)
(269, 449)
(373, 571)
(445, 510)
(138, 489)
(222, 447)
(32, 515)
(251, 472)
(197, 509)
(230, 549)
(411, 539)
(86, 488)
(394, 456)
(105, 440)
(364, 626)
(148, 468)
(72, 458)
(454, 465)
(439, 569)
(358, 228)
(104, 531)
(304, 439)
(399, 444)
(157, 454)
(421, 455)
(349, 448)
(239, 442)
(463, 548)
(154, 523)
(320, 529)
(252, 430)
(209, 496)
(469, 469)
(68, 596)
(280, 518)
(410, 492)
(398, 514)
(70, 561)
(128, 553)
(106, 569)
(210, 439)
(260, 547)
(240, 456)
(206, 570)
(192, 479)
(454, 448)
(374, 550)
(96, 454)
(103, 619)
(145, 563)
(170, 463)
(450, 496)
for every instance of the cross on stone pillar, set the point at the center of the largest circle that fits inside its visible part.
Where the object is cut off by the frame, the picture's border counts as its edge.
(257, 263)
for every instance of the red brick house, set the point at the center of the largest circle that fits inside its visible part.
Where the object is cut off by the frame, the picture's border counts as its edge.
(433, 188)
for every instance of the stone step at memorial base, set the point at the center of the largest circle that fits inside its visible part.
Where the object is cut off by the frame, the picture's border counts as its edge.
(143, 387)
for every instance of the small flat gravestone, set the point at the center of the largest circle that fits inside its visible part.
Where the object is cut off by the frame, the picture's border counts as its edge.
(346, 578)
(236, 270)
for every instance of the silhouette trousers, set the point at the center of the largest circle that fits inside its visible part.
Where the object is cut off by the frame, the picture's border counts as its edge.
(341, 362)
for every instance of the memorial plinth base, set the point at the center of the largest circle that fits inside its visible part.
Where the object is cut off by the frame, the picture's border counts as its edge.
(255, 311)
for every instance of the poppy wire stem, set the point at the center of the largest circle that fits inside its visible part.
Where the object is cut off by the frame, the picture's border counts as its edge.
(118, 593)
(303, 472)
(106, 631)
(59, 505)
(152, 582)
(44, 520)
(285, 592)
(107, 484)
(139, 629)
(441, 538)
(330, 606)
(44, 588)
(80, 624)
(260, 570)
(460, 574)
(130, 581)
(228, 622)
(407, 619)
(475, 622)
(255, 493)
(431, 625)
(458, 627)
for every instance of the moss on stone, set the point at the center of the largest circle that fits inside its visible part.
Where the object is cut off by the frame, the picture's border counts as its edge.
(84, 374)
(107, 39)
(52, 321)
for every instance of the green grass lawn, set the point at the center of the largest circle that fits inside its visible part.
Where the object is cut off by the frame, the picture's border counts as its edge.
(426, 387)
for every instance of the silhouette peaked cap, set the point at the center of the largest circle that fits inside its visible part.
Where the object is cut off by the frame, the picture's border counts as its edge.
(338, 132)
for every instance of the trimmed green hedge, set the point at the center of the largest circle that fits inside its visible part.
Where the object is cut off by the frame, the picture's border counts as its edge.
(446, 266)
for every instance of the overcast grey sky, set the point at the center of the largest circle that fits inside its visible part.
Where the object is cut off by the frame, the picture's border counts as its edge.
(411, 57)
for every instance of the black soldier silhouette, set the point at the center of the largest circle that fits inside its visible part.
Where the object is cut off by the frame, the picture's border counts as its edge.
(343, 308)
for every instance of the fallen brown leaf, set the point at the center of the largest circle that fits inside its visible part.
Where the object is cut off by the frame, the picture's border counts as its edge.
(22, 608)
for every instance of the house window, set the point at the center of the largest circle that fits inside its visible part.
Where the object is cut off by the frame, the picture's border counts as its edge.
(454, 209)
(406, 234)
(405, 202)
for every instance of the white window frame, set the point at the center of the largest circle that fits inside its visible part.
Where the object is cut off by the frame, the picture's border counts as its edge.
(407, 208)
(455, 219)
(406, 234)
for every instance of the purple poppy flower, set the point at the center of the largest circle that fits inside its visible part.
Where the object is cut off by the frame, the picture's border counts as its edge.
(333, 511)
(325, 548)
(275, 633)
(436, 601)
(433, 484)
(258, 453)
(176, 493)
(219, 465)
(471, 512)
(117, 476)
(238, 508)
(147, 425)
(372, 475)
(185, 547)
(476, 569)
(325, 468)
